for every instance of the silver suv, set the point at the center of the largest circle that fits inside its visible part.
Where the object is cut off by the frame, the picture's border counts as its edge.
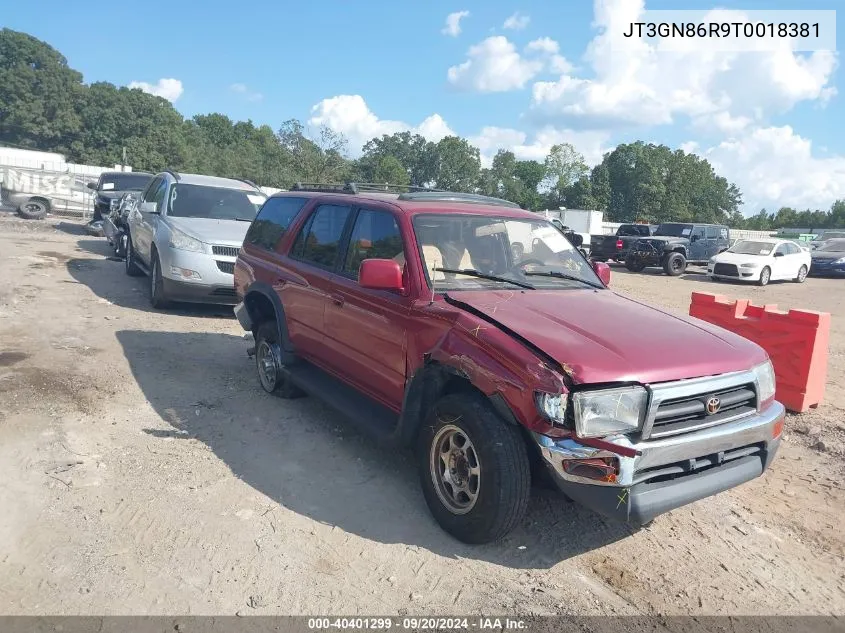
(185, 233)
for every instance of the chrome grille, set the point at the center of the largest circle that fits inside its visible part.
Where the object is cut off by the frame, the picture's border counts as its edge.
(225, 251)
(681, 406)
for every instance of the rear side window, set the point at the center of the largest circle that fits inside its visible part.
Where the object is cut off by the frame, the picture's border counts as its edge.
(712, 232)
(375, 236)
(319, 240)
(273, 220)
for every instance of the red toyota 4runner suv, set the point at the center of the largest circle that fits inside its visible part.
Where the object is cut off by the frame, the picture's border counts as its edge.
(476, 333)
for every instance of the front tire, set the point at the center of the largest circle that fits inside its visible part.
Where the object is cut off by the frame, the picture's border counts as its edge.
(131, 266)
(474, 469)
(271, 374)
(802, 275)
(765, 276)
(675, 264)
(158, 298)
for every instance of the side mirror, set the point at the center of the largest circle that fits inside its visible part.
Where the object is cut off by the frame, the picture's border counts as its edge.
(148, 207)
(778, 254)
(92, 186)
(602, 271)
(380, 274)
(693, 238)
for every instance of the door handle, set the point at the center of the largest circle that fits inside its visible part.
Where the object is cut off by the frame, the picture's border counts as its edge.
(337, 300)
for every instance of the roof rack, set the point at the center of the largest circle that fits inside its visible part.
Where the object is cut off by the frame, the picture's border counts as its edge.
(406, 192)
(356, 187)
(449, 196)
(175, 174)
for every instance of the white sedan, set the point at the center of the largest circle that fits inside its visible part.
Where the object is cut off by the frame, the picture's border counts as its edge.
(761, 261)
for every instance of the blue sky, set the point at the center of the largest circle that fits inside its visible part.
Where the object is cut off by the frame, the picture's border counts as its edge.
(771, 124)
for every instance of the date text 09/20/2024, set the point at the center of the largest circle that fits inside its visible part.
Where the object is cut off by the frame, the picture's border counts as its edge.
(418, 623)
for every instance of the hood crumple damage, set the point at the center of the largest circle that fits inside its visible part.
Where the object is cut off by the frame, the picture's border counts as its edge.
(597, 336)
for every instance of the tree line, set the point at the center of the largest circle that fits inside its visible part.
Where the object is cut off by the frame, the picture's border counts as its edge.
(45, 105)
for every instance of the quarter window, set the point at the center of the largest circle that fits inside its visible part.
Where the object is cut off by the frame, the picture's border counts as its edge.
(375, 236)
(273, 220)
(319, 240)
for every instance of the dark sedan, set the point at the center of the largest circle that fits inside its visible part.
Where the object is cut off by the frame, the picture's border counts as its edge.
(829, 258)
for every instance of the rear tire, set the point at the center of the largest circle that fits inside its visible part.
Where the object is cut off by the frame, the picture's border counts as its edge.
(675, 264)
(802, 275)
(132, 268)
(158, 298)
(34, 209)
(271, 375)
(765, 276)
(474, 469)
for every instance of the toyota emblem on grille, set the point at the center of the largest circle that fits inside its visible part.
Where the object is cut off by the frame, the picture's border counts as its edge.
(713, 405)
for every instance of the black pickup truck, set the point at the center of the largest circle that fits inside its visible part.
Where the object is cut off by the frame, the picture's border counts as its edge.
(616, 247)
(675, 244)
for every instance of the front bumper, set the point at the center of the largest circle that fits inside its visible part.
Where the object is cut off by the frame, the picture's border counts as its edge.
(827, 269)
(670, 472)
(646, 258)
(743, 274)
(215, 285)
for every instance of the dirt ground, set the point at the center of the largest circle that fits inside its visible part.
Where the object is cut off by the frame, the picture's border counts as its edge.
(143, 471)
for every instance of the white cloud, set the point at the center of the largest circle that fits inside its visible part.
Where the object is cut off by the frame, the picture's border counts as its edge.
(517, 21)
(591, 144)
(636, 82)
(453, 23)
(170, 89)
(494, 65)
(775, 167)
(550, 49)
(350, 115)
(249, 95)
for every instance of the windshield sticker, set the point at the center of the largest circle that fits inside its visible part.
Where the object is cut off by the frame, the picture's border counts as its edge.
(107, 185)
(765, 251)
(553, 238)
(686, 231)
(489, 229)
(254, 199)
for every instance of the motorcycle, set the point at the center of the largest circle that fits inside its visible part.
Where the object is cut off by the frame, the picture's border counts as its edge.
(116, 223)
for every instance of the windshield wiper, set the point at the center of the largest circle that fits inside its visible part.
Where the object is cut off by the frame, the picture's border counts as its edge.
(560, 275)
(471, 272)
(242, 219)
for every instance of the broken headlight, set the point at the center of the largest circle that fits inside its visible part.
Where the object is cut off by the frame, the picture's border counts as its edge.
(552, 406)
(609, 411)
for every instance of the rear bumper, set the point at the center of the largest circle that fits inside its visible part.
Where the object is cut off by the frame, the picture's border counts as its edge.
(670, 472)
(242, 314)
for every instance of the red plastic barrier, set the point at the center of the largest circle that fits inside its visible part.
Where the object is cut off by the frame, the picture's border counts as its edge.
(796, 341)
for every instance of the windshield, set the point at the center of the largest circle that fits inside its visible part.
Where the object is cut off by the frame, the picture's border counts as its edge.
(124, 182)
(829, 236)
(832, 245)
(633, 229)
(216, 203)
(525, 251)
(750, 247)
(674, 230)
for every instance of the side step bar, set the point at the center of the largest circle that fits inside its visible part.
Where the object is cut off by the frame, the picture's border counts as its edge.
(369, 416)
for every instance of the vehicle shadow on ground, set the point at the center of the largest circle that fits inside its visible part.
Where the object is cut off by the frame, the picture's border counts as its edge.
(107, 278)
(302, 456)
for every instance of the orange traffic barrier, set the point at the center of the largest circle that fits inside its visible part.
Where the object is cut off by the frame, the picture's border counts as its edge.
(796, 341)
